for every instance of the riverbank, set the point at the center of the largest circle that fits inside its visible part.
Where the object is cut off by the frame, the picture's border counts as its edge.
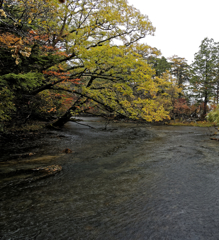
(23, 152)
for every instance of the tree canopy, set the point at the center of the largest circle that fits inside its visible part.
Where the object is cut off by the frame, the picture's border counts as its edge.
(80, 56)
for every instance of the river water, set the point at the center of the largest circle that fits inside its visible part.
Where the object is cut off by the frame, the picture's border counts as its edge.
(130, 181)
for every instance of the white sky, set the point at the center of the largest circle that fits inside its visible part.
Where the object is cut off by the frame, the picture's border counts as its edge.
(180, 25)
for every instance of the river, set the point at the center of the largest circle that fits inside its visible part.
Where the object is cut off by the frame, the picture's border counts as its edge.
(131, 181)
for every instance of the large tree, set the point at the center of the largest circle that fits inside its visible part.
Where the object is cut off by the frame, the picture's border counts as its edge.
(85, 51)
(203, 71)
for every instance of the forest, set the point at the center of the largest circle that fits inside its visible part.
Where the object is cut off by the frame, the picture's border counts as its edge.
(60, 60)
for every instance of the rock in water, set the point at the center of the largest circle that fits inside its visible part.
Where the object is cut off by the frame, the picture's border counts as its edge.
(49, 170)
(67, 150)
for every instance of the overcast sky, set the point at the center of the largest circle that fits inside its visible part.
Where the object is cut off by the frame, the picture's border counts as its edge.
(180, 25)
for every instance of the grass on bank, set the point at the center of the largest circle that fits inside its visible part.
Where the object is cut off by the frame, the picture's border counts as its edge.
(194, 124)
(25, 128)
(36, 126)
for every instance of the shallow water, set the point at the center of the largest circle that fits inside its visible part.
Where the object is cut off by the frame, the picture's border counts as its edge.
(129, 182)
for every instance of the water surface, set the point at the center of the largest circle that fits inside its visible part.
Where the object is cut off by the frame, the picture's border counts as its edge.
(129, 182)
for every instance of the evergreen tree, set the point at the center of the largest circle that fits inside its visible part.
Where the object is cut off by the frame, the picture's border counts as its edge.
(161, 65)
(179, 69)
(203, 71)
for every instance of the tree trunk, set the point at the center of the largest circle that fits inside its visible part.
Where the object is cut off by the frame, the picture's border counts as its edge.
(217, 93)
(67, 115)
(205, 107)
(64, 118)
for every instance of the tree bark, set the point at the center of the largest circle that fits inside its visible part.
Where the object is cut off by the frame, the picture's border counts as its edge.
(63, 119)
(205, 106)
(67, 115)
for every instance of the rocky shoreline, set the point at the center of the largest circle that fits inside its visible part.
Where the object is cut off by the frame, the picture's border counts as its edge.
(24, 176)
(23, 161)
(20, 166)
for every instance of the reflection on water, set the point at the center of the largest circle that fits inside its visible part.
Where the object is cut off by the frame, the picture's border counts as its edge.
(129, 182)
